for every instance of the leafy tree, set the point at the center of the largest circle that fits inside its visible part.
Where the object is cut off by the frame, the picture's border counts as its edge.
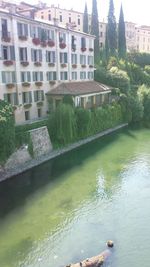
(7, 130)
(95, 30)
(85, 20)
(121, 36)
(144, 95)
(112, 32)
(136, 108)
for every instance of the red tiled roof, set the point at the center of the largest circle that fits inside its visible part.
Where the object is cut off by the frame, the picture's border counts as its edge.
(79, 88)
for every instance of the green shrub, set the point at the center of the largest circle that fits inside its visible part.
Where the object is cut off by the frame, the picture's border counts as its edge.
(7, 130)
(67, 99)
(63, 123)
(83, 122)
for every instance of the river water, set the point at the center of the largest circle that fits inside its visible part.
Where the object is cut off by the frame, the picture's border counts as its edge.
(65, 210)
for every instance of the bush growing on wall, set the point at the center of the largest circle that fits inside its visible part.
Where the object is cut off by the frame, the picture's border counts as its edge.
(7, 130)
(144, 95)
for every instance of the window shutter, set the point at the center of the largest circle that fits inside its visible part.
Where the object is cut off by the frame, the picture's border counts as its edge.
(54, 75)
(30, 97)
(42, 92)
(2, 49)
(15, 98)
(33, 73)
(46, 56)
(26, 29)
(32, 54)
(39, 33)
(3, 77)
(40, 55)
(28, 76)
(41, 76)
(61, 57)
(13, 77)
(65, 57)
(19, 28)
(12, 53)
(35, 96)
(53, 57)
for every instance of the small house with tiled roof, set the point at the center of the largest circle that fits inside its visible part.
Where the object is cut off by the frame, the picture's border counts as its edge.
(85, 94)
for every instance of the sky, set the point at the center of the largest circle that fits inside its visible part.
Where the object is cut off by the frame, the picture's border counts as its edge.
(137, 11)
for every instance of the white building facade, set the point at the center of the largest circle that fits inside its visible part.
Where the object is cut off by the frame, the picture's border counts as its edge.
(35, 57)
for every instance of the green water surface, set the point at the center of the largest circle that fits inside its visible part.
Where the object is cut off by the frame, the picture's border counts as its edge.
(66, 209)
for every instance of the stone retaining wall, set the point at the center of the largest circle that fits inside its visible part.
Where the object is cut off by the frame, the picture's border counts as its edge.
(5, 174)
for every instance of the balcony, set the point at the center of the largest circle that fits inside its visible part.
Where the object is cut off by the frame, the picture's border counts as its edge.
(36, 41)
(83, 49)
(51, 43)
(25, 84)
(24, 63)
(8, 62)
(23, 38)
(51, 64)
(5, 36)
(37, 64)
(10, 85)
(38, 83)
(62, 45)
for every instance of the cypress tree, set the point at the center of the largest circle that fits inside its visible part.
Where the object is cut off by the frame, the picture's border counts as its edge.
(121, 36)
(112, 32)
(85, 20)
(95, 30)
(106, 46)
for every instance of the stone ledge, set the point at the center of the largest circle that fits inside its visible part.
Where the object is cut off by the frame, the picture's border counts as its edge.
(9, 173)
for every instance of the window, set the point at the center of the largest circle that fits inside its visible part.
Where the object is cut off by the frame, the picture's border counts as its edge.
(78, 21)
(11, 98)
(8, 52)
(42, 17)
(90, 75)
(26, 97)
(51, 76)
(69, 19)
(39, 112)
(49, 17)
(22, 29)
(63, 58)
(23, 53)
(37, 76)
(73, 45)
(60, 18)
(4, 28)
(101, 34)
(63, 75)
(91, 43)
(8, 77)
(74, 58)
(51, 35)
(25, 76)
(101, 44)
(36, 55)
(62, 37)
(74, 75)
(38, 95)
(50, 56)
(83, 42)
(90, 60)
(27, 115)
(35, 32)
(82, 75)
(83, 59)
